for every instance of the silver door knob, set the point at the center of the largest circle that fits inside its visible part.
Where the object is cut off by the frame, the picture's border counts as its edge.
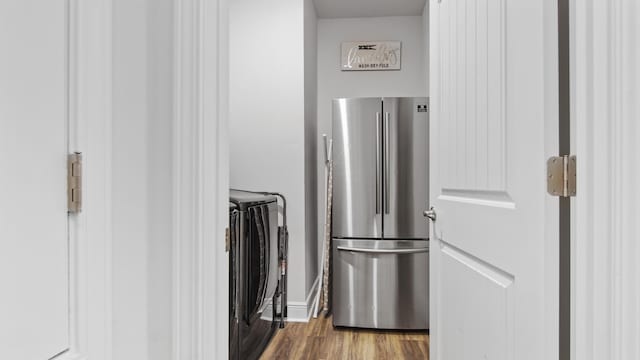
(431, 214)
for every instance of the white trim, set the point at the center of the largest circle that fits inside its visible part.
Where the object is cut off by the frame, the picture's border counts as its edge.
(605, 93)
(302, 312)
(313, 292)
(200, 180)
(90, 84)
(298, 311)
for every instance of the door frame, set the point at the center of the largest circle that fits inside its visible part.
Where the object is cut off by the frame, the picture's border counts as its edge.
(201, 180)
(605, 87)
(200, 174)
(202, 170)
(89, 74)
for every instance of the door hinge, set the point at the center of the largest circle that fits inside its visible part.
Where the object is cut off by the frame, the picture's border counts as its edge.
(74, 183)
(227, 239)
(561, 176)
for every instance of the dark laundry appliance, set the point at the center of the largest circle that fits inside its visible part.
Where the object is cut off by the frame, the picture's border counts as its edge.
(257, 272)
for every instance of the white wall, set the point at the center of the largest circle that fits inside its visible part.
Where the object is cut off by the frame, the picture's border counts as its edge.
(411, 80)
(268, 122)
(142, 201)
(425, 43)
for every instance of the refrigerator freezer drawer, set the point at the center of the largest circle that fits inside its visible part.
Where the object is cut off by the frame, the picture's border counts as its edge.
(381, 284)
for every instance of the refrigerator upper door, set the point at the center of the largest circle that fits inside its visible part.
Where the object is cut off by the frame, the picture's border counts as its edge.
(406, 167)
(357, 168)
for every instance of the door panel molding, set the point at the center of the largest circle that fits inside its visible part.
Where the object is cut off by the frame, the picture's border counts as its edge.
(605, 91)
(477, 106)
(200, 180)
(478, 265)
(493, 309)
(499, 199)
(90, 79)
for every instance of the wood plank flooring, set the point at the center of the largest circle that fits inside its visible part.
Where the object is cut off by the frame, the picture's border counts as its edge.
(318, 340)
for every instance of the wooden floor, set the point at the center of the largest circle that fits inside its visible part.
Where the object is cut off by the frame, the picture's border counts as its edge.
(319, 340)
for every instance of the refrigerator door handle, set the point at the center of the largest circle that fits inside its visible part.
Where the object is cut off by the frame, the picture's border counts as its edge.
(378, 174)
(384, 251)
(387, 165)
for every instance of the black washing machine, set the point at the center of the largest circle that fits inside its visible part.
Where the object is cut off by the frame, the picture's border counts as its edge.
(255, 276)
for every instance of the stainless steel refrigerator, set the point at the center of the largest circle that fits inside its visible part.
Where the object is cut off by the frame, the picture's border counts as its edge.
(380, 189)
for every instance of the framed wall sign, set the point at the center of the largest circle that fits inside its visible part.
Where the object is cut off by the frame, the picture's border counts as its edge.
(371, 55)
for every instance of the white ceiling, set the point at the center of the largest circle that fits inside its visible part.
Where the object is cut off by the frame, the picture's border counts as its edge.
(368, 8)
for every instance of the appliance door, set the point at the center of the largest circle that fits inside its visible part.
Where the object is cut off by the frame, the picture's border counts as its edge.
(406, 167)
(381, 284)
(357, 168)
(261, 259)
(234, 336)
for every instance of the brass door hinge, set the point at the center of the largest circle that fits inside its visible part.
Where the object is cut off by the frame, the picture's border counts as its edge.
(561, 176)
(74, 183)
(227, 239)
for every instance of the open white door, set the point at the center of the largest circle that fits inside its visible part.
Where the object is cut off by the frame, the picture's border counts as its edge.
(494, 96)
(34, 258)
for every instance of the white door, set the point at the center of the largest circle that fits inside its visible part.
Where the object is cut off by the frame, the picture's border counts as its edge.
(494, 270)
(34, 278)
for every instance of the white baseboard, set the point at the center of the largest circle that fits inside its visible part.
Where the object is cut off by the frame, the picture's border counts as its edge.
(298, 311)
